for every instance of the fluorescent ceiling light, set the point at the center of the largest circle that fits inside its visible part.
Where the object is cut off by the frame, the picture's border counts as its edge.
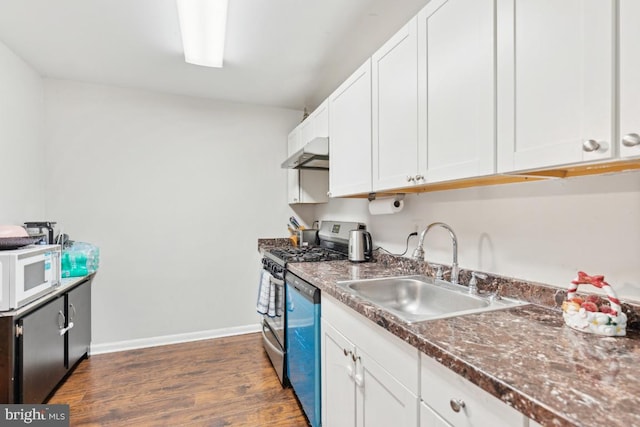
(203, 25)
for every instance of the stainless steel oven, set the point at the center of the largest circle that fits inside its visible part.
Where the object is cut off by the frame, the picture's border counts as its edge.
(332, 245)
(273, 315)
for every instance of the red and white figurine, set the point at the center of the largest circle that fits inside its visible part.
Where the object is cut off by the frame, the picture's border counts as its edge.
(587, 316)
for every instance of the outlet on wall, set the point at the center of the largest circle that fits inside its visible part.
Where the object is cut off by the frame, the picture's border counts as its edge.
(417, 225)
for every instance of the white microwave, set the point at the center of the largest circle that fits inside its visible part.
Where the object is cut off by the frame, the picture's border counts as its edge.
(27, 274)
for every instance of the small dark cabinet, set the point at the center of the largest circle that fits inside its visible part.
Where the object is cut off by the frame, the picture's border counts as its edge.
(79, 313)
(42, 342)
(40, 351)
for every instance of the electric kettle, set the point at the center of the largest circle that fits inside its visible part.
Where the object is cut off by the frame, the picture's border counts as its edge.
(360, 246)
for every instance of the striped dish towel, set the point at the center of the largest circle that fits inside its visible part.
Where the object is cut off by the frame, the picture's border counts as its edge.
(266, 303)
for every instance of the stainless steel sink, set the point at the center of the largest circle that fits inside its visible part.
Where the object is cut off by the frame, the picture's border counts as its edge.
(419, 298)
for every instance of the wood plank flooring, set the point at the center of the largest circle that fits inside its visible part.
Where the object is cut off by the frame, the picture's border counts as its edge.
(219, 382)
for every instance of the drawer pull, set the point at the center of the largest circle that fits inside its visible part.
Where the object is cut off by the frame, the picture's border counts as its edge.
(456, 404)
(590, 146)
(631, 140)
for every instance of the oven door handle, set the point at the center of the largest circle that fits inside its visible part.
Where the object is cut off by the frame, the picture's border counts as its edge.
(277, 282)
(268, 342)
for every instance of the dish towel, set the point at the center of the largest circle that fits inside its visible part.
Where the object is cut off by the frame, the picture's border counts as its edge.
(266, 295)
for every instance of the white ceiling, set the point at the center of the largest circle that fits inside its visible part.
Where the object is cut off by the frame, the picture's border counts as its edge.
(287, 53)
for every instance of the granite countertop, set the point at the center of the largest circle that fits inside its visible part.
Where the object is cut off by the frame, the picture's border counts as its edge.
(525, 355)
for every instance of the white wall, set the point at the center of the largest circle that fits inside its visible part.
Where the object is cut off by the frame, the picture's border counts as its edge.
(21, 142)
(539, 231)
(175, 191)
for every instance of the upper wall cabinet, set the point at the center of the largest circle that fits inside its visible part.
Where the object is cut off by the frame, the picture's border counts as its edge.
(350, 135)
(555, 82)
(316, 125)
(456, 72)
(307, 186)
(629, 78)
(394, 76)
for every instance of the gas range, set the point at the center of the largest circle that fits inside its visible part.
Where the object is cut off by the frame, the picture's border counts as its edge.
(333, 237)
(303, 254)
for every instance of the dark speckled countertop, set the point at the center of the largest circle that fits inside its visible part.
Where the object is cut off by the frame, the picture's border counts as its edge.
(525, 356)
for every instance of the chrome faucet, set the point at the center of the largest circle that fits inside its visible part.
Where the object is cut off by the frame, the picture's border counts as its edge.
(419, 251)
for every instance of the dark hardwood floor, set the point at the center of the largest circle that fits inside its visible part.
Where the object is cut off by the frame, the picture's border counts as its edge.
(219, 382)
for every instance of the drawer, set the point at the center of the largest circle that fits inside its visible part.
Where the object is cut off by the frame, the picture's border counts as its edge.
(440, 387)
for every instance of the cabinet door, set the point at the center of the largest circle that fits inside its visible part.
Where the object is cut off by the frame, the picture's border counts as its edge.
(456, 51)
(41, 351)
(293, 186)
(395, 110)
(555, 82)
(350, 135)
(629, 78)
(382, 400)
(294, 140)
(321, 120)
(78, 313)
(338, 387)
(316, 125)
(293, 175)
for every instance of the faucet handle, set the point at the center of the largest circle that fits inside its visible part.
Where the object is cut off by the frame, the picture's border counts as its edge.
(438, 268)
(475, 275)
(473, 283)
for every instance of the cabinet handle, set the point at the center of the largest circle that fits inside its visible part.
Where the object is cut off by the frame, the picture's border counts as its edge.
(359, 381)
(419, 177)
(72, 315)
(410, 178)
(456, 404)
(61, 320)
(68, 328)
(631, 140)
(590, 145)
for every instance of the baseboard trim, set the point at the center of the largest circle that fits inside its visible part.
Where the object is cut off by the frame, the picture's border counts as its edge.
(171, 339)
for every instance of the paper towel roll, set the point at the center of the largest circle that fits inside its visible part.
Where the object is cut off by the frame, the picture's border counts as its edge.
(385, 206)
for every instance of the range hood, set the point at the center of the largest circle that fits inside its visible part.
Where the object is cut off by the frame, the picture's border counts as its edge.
(314, 155)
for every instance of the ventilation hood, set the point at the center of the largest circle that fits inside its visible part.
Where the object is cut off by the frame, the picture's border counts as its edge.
(314, 155)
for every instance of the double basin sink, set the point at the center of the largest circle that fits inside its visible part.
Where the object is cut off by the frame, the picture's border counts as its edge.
(419, 298)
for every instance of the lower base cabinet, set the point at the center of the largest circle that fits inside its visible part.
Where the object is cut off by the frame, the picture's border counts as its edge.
(41, 344)
(40, 352)
(363, 373)
(372, 378)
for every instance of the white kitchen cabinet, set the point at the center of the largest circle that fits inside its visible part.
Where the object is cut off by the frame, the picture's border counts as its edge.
(305, 185)
(316, 125)
(350, 135)
(456, 75)
(338, 386)
(629, 78)
(555, 82)
(293, 176)
(395, 111)
(369, 376)
(459, 402)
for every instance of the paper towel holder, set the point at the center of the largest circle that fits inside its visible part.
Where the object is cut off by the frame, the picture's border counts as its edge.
(396, 197)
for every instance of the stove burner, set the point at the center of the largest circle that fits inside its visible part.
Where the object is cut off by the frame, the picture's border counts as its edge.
(306, 254)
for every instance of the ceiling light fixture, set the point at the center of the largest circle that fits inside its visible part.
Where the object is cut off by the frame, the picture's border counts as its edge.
(203, 26)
